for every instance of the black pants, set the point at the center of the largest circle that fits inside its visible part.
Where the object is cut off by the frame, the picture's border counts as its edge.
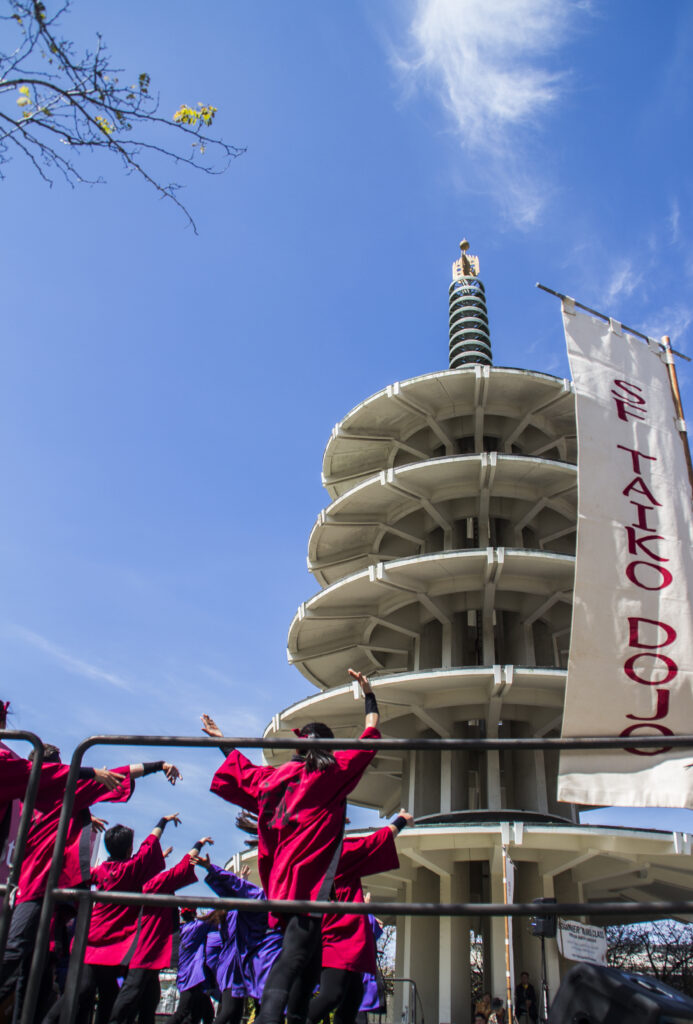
(340, 990)
(139, 996)
(194, 1006)
(14, 970)
(230, 1008)
(294, 973)
(97, 980)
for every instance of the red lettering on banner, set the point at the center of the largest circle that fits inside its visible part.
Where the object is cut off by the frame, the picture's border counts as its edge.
(639, 485)
(635, 542)
(666, 578)
(632, 406)
(661, 711)
(642, 522)
(630, 389)
(634, 632)
(648, 636)
(671, 667)
(636, 456)
(662, 729)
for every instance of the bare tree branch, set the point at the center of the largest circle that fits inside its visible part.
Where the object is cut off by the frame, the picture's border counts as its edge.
(55, 102)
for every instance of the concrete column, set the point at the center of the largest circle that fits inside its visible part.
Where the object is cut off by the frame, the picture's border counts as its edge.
(445, 781)
(454, 977)
(424, 945)
(496, 949)
(401, 1010)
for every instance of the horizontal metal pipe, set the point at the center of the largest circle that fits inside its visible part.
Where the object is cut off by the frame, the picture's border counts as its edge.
(603, 316)
(391, 743)
(614, 907)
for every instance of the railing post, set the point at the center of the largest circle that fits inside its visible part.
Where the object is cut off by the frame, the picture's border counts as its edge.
(38, 961)
(74, 971)
(22, 832)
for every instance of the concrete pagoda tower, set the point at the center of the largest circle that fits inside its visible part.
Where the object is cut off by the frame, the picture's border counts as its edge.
(445, 561)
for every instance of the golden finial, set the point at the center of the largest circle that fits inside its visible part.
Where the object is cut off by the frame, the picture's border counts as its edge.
(465, 266)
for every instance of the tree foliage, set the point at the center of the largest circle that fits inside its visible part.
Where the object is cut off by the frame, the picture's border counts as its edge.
(663, 949)
(57, 101)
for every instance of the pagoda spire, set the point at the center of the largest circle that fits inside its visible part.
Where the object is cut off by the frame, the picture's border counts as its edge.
(470, 341)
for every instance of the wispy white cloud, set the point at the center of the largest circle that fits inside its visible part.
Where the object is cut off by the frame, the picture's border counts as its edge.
(674, 222)
(622, 281)
(78, 666)
(673, 321)
(487, 62)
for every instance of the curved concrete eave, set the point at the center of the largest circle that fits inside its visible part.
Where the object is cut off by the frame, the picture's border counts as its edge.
(341, 617)
(357, 518)
(464, 691)
(384, 422)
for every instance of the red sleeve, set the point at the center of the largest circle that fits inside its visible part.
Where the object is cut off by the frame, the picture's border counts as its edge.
(148, 860)
(368, 855)
(353, 763)
(14, 775)
(175, 878)
(91, 791)
(239, 780)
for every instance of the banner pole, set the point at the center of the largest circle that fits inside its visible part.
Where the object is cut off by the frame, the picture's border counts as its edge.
(508, 985)
(678, 405)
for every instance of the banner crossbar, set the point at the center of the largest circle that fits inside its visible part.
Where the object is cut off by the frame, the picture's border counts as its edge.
(607, 319)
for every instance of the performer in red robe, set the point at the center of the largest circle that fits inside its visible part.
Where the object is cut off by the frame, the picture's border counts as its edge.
(94, 785)
(348, 944)
(141, 990)
(301, 808)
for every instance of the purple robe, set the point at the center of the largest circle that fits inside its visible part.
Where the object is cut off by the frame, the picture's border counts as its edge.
(249, 948)
(371, 996)
(191, 954)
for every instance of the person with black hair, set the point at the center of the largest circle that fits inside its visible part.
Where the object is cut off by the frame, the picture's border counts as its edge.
(141, 990)
(113, 926)
(348, 943)
(301, 807)
(94, 785)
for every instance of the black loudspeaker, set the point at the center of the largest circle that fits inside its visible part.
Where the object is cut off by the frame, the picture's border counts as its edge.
(603, 995)
(543, 925)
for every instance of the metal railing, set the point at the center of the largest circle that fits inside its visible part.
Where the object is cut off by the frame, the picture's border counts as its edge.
(9, 890)
(86, 898)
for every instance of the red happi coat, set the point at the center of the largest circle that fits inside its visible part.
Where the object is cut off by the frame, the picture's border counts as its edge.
(347, 939)
(44, 826)
(14, 776)
(157, 924)
(113, 927)
(300, 817)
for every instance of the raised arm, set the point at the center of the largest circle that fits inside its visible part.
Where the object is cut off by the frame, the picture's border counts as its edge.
(372, 714)
(161, 824)
(149, 767)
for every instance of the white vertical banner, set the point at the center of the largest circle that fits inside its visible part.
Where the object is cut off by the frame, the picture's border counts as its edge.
(630, 670)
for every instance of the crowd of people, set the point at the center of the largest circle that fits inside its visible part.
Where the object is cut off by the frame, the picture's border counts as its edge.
(298, 967)
(490, 1010)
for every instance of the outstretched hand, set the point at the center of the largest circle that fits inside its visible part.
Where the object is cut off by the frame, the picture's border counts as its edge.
(409, 818)
(171, 772)
(197, 858)
(244, 873)
(210, 726)
(363, 681)
(175, 818)
(98, 824)
(111, 780)
(167, 852)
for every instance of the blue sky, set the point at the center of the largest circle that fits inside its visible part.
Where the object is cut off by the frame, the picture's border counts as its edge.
(166, 397)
